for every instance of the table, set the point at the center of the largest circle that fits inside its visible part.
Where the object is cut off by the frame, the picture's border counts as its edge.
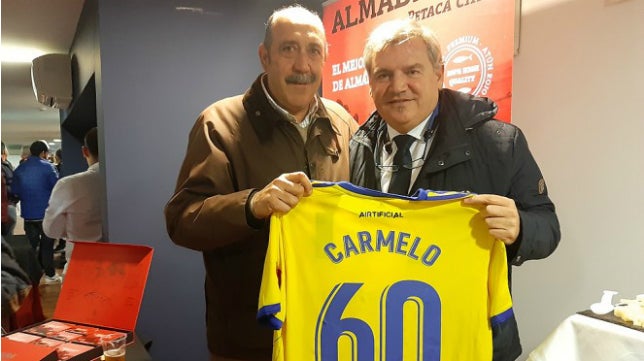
(584, 338)
(136, 351)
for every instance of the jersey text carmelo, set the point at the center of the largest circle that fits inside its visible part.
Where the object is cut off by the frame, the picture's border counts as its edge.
(389, 241)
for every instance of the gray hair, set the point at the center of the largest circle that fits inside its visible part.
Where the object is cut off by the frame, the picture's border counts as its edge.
(395, 32)
(295, 13)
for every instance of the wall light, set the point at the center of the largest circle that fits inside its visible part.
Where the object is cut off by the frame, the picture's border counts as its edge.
(18, 54)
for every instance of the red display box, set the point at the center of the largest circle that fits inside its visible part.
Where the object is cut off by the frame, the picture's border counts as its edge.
(20, 351)
(100, 296)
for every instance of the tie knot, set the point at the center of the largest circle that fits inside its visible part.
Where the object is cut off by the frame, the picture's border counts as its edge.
(404, 141)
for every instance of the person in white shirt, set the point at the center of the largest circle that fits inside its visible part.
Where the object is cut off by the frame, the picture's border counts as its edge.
(74, 211)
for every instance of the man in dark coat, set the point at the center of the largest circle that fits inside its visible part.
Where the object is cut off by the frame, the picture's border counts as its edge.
(454, 144)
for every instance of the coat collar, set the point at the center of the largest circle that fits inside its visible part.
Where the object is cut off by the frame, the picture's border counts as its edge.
(459, 112)
(262, 116)
(265, 118)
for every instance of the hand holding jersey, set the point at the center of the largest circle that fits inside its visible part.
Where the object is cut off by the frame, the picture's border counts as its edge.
(404, 278)
(285, 192)
(280, 195)
(501, 216)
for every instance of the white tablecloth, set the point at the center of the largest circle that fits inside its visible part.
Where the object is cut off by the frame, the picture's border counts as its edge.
(585, 338)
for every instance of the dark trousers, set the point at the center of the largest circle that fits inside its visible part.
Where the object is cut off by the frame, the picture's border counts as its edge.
(43, 244)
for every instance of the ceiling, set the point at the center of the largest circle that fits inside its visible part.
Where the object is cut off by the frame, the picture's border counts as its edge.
(48, 25)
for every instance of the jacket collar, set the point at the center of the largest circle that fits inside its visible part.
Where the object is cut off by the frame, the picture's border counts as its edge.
(94, 167)
(459, 112)
(262, 116)
(265, 118)
(470, 111)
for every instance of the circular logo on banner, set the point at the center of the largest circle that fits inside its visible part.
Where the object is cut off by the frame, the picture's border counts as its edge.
(468, 66)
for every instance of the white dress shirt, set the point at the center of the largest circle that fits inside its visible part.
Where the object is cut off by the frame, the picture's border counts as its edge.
(74, 211)
(418, 151)
(303, 126)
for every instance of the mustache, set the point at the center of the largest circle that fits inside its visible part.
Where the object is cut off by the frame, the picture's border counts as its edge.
(301, 79)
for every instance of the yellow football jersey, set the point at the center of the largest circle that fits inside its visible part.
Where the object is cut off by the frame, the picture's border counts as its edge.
(355, 274)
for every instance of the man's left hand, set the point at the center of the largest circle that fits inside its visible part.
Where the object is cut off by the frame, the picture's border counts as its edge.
(501, 216)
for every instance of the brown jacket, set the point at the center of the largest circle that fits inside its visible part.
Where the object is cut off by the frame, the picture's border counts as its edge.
(238, 145)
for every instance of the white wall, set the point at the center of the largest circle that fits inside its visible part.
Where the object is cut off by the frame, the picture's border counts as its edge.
(578, 96)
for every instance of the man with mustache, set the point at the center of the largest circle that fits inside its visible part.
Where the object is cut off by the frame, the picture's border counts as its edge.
(425, 136)
(249, 156)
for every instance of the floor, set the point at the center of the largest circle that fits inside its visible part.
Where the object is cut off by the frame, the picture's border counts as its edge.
(49, 292)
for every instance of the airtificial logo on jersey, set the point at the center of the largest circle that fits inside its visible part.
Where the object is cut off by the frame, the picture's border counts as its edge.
(380, 214)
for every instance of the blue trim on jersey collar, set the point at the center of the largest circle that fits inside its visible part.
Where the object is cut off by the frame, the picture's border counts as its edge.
(419, 195)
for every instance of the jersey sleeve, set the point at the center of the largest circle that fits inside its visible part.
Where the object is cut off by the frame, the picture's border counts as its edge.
(271, 306)
(500, 300)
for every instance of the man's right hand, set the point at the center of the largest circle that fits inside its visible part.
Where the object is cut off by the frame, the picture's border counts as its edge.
(280, 195)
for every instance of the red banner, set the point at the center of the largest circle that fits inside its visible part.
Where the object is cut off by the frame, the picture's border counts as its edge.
(477, 40)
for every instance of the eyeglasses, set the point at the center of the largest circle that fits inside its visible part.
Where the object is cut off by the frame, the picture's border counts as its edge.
(381, 144)
(393, 168)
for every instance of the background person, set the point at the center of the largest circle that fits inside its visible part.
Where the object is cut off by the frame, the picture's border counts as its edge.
(24, 154)
(449, 141)
(58, 161)
(74, 210)
(33, 182)
(7, 222)
(12, 199)
(249, 156)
